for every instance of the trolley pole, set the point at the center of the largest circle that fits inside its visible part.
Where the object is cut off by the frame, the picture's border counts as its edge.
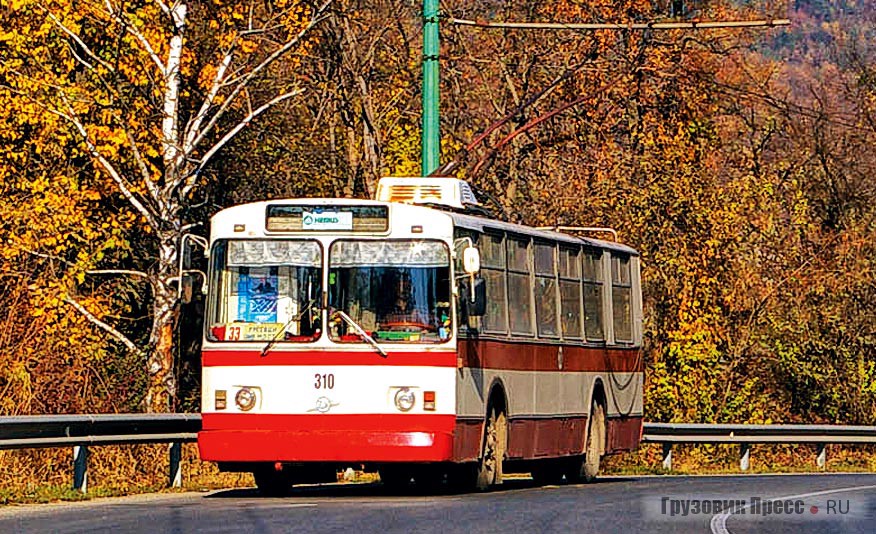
(431, 141)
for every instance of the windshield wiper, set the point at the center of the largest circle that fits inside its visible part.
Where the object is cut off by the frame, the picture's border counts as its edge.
(282, 330)
(361, 331)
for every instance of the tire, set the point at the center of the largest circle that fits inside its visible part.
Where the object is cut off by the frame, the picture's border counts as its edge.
(272, 483)
(595, 444)
(489, 470)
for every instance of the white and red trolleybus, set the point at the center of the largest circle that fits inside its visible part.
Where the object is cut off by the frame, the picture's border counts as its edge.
(412, 337)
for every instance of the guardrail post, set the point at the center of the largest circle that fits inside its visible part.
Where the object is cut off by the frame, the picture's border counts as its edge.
(175, 462)
(667, 456)
(821, 460)
(80, 468)
(744, 456)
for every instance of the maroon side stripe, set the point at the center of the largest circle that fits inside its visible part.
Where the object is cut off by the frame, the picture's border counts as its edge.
(533, 356)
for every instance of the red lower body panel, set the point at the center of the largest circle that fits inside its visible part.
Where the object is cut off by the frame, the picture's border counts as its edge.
(547, 437)
(392, 438)
(326, 438)
(624, 433)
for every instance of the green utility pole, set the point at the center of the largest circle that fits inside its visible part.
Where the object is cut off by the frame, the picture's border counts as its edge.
(431, 127)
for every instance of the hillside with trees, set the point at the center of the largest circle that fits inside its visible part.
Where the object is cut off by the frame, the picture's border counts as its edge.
(739, 162)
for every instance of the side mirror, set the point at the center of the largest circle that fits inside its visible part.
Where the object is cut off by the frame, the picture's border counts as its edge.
(474, 297)
(185, 282)
(471, 260)
(192, 282)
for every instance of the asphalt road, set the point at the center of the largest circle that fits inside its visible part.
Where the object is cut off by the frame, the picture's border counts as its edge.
(809, 504)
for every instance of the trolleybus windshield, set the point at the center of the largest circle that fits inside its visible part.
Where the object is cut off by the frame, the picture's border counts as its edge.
(266, 290)
(397, 291)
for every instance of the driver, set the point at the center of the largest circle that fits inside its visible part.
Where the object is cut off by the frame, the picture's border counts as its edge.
(402, 308)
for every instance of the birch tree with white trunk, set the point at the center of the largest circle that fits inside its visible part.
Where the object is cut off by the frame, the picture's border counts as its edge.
(153, 106)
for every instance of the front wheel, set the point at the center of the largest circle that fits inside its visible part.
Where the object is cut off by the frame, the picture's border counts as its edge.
(493, 451)
(595, 444)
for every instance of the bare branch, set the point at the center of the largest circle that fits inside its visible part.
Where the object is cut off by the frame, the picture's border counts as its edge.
(144, 170)
(79, 58)
(81, 44)
(164, 7)
(107, 166)
(128, 272)
(532, 123)
(105, 327)
(130, 28)
(529, 102)
(48, 257)
(195, 123)
(318, 17)
(190, 182)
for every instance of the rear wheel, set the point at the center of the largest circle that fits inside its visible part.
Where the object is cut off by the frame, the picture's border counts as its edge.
(492, 451)
(595, 443)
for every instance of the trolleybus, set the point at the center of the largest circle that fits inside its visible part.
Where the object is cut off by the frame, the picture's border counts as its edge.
(417, 337)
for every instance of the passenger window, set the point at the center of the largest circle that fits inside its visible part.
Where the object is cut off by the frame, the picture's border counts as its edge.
(545, 290)
(492, 249)
(570, 292)
(593, 296)
(621, 294)
(519, 286)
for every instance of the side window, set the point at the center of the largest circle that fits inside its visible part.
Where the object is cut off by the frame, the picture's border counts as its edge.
(519, 286)
(570, 292)
(459, 234)
(593, 295)
(492, 247)
(546, 289)
(621, 298)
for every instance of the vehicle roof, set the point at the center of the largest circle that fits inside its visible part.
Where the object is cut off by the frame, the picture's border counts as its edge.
(470, 222)
(482, 224)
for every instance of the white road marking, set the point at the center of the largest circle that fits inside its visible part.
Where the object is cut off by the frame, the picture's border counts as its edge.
(719, 521)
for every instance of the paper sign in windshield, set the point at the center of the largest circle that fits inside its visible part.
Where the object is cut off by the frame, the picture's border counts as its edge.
(257, 294)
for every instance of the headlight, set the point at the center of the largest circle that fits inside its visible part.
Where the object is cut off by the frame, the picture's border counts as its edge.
(404, 399)
(245, 399)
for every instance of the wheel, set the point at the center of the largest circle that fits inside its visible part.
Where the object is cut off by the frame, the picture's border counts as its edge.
(493, 451)
(272, 483)
(595, 443)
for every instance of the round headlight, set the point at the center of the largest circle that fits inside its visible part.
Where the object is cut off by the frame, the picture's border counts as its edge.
(245, 399)
(404, 399)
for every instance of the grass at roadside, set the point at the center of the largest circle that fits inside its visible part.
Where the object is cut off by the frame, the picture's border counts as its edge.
(41, 476)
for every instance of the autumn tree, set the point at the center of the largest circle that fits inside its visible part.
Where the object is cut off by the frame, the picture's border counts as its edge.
(149, 93)
(621, 128)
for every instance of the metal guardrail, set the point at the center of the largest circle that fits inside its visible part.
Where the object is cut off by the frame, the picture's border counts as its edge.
(58, 430)
(36, 431)
(745, 435)
(81, 431)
